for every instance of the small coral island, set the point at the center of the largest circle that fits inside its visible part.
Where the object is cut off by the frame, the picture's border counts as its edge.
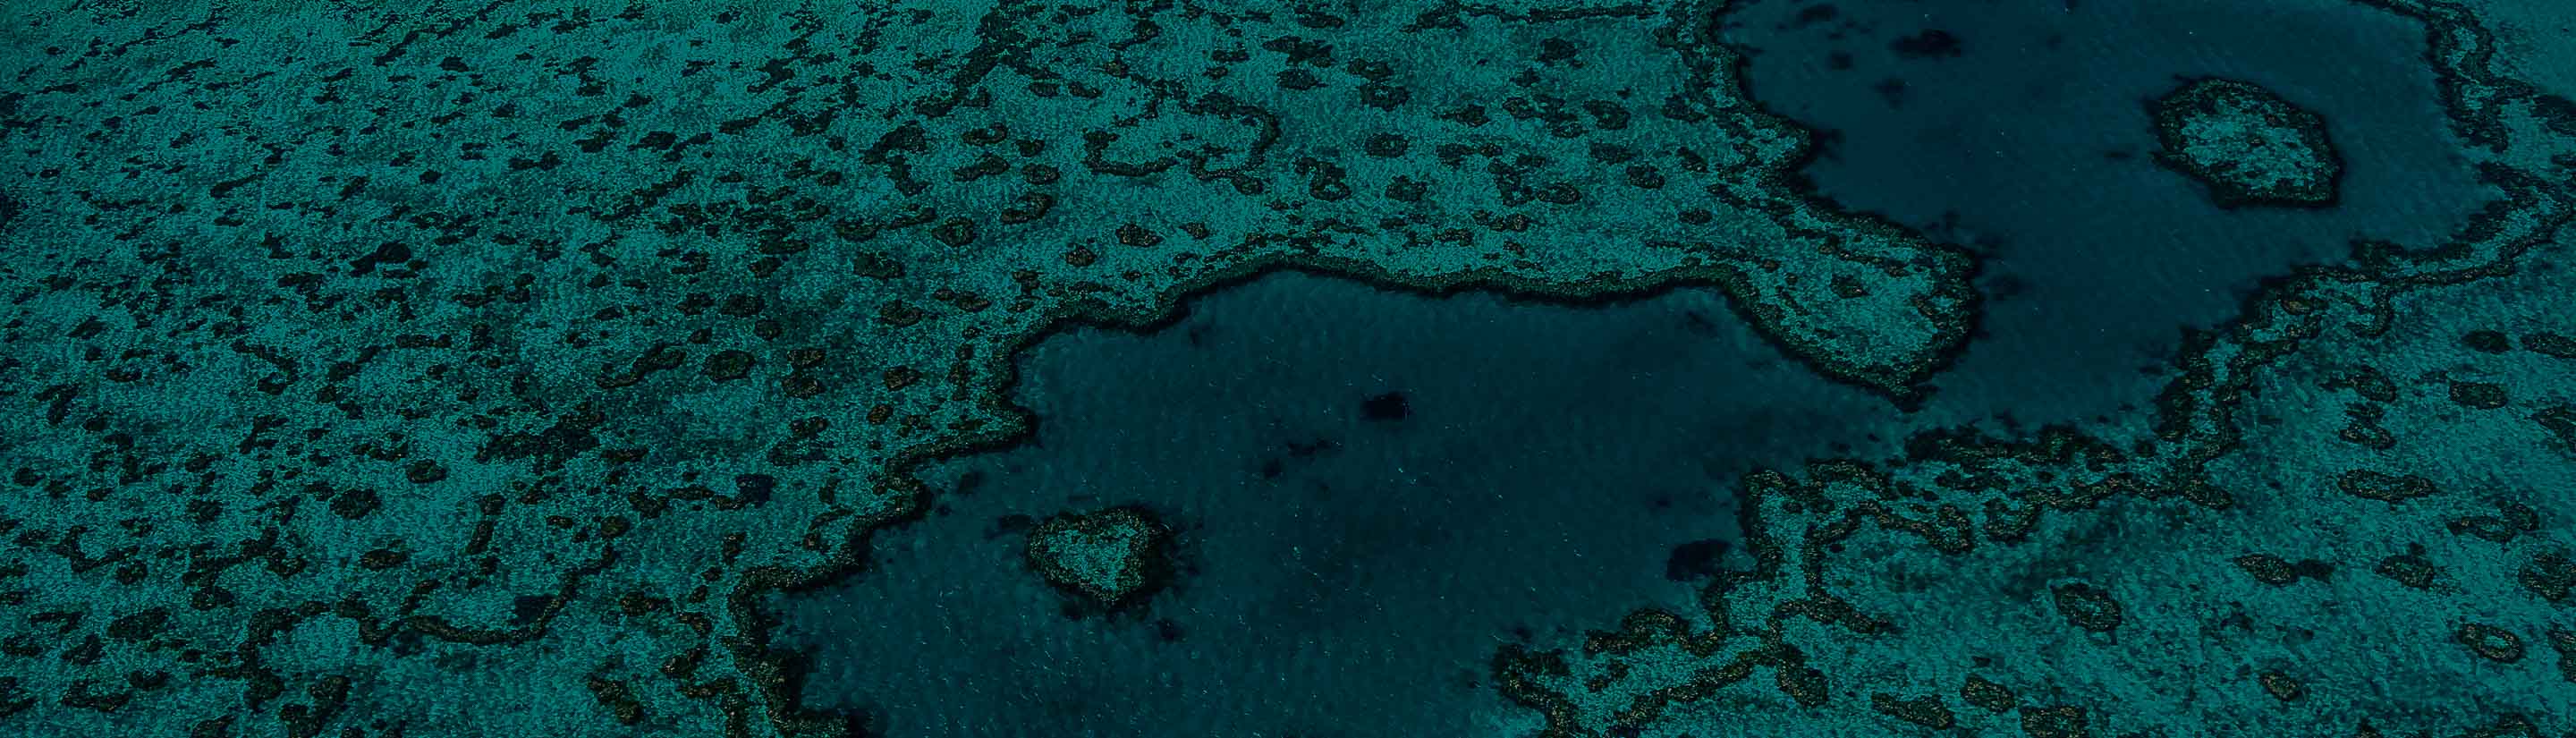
(1116, 557)
(2249, 146)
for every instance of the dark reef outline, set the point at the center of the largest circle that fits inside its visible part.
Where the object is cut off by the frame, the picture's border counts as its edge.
(2378, 258)
(2170, 111)
(774, 670)
(2177, 406)
(778, 674)
(1155, 567)
(783, 675)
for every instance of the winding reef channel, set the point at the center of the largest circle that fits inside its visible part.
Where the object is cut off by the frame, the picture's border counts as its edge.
(528, 368)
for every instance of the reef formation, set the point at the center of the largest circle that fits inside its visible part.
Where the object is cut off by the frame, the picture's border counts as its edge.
(359, 374)
(2340, 521)
(2247, 145)
(477, 370)
(1114, 557)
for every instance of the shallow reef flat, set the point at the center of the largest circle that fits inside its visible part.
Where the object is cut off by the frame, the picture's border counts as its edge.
(369, 354)
(501, 368)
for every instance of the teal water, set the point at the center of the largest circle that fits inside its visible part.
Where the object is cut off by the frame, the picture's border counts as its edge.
(1349, 576)
(517, 368)
(2029, 140)
(1345, 572)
